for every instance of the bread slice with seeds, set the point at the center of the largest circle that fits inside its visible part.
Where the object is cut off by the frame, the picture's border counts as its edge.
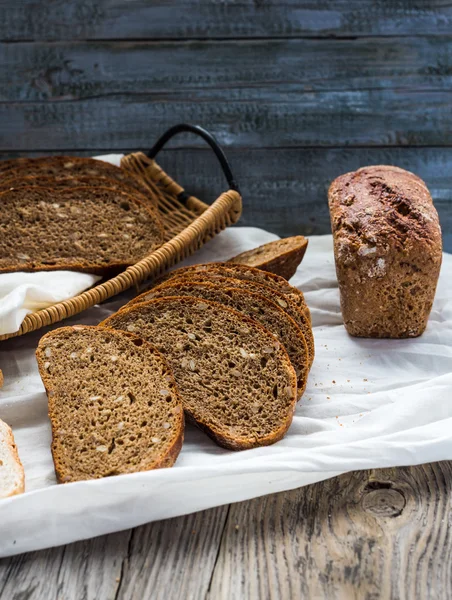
(285, 302)
(61, 182)
(12, 476)
(255, 306)
(242, 272)
(281, 257)
(113, 403)
(81, 229)
(66, 166)
(236, 380)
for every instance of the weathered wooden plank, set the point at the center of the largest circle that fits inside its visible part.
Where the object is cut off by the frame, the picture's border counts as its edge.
(364, 118)
(269, 70)
(85, 570)
(108, 19)
(174, 558)
(372, 534)
(285, 190)
(159, 560)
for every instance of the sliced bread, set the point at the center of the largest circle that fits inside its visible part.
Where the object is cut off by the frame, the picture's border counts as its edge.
(255, 306)
(113, 403)
(247, 274)
(12, 476)
(1, 378)
(82, 229)
(286, 302)
(66, 166)
(281, 257)
(57, 182)
(236, 380)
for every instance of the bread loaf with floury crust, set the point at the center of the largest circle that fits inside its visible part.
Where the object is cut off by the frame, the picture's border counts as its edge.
(12, 476)
(387, 249)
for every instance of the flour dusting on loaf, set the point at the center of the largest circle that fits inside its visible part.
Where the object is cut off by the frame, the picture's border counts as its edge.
(387, 246)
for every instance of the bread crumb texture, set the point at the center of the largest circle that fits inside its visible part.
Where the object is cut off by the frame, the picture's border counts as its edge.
(236, 383)
(113, 403)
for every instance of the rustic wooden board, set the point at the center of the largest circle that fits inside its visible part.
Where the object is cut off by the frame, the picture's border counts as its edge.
(271, 70)
(360, 118)
(107, 19)
(370, 534)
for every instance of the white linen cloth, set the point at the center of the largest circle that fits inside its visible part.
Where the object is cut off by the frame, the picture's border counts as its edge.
(368, 403)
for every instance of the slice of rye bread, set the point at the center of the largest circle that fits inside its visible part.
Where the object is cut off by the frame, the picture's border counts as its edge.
(68, 165)
(255, 306)
(80, 229)
(236, 380)
(57, 182)
(12, 476)
(1, 379)
(291, 308)
(242, 272)
(113, 403)
(280, 257)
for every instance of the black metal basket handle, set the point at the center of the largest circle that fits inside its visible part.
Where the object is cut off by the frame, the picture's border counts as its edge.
(208, 137)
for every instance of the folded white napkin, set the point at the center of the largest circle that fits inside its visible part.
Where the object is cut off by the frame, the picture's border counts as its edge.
(23, 293)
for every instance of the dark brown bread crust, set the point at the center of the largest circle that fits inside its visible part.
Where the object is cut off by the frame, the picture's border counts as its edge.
(388, 251)
(280, 257)
(97, 230)
(65, 475)
(68, 165)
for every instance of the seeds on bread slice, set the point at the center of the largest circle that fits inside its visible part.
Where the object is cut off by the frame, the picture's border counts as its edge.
(287, 303)
(280, 257)
(236, 380)
(113, 403)
(12, 476)
(68, 165)
(247, 274)
(58, 182)
(255, 306)
(83, 229)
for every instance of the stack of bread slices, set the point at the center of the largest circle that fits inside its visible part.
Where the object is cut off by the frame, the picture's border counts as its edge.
(76, 214)
(226, 345)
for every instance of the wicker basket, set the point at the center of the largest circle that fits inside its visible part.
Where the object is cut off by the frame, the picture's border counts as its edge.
(189, 223)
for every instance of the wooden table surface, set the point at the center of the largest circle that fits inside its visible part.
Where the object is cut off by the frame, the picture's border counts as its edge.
(297, 92)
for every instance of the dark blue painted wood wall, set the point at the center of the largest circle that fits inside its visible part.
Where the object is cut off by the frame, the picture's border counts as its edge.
(297, 91)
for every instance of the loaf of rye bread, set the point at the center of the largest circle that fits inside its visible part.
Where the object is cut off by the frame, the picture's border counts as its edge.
(388, 251)
(280, 257)
(12, 477)
(59, 166)
(58, 182)
(253, 305)
(235, 379)
(113, 403)
(98, 230)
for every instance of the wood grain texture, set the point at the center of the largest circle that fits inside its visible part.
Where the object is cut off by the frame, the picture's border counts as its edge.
(160, 19)
(222, 70)
(371, 534)
(164, 560)
(358, 118)
(80, 571)
(285, 190)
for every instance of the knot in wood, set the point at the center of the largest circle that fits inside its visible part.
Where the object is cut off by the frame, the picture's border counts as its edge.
(384, 502)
